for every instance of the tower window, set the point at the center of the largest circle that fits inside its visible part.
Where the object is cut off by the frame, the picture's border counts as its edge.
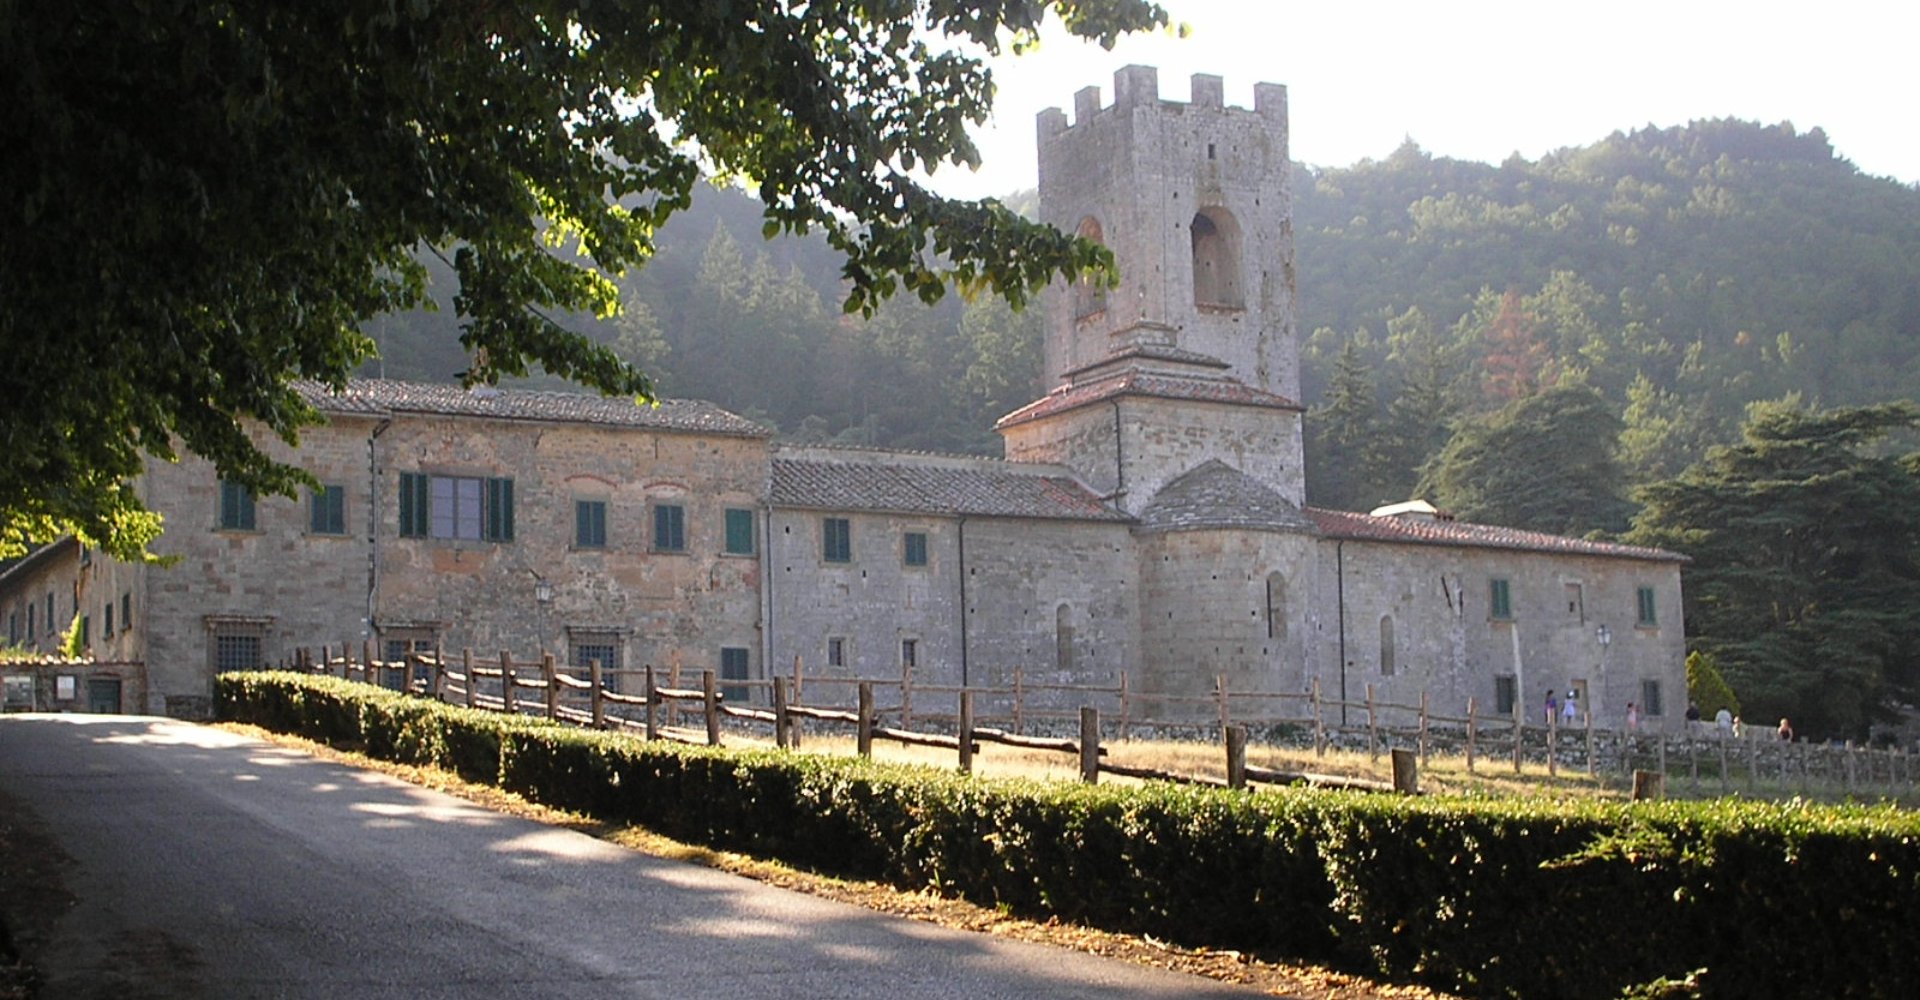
(1216, 260)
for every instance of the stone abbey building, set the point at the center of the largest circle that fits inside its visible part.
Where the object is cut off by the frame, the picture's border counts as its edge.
(1148, 516)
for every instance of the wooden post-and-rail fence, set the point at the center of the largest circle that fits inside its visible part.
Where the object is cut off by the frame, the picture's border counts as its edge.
(542, 687)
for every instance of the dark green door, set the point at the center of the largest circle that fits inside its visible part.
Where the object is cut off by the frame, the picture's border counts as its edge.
(103, 695)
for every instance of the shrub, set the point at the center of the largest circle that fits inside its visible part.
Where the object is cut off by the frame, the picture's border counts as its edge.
(1512, 897)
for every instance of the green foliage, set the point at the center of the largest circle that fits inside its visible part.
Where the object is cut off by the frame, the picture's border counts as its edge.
(207, 200)
(1544, 462)
(1515, 898)
(1707, 688)
(73, 645)
(1806, 562)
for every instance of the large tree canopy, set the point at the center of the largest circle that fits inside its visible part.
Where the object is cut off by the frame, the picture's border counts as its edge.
(1543, 462)
(206, 199)
(1806, 567)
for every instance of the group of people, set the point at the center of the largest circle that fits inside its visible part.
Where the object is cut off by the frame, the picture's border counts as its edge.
(1730, 723)
(1568, 711)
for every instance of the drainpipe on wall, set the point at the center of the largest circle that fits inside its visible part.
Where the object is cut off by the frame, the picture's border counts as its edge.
(766, 593)
(373, 520)
(1340, 588)
(963, 602)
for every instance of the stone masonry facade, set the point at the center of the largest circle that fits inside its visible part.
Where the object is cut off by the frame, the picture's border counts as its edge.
(1148, 519)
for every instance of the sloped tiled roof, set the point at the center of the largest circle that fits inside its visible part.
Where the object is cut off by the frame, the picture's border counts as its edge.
(908, 488)
(375, 397)
(1154, 352)
(1419, 531)
(1133, 382)
(1217, 495)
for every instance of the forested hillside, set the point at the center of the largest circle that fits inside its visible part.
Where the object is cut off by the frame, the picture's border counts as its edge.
(1662, 280)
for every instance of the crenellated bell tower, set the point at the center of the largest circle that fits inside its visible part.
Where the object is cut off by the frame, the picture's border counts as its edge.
(1195, 351)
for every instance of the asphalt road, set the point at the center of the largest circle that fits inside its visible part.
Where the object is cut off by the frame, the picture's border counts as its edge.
(205, 864)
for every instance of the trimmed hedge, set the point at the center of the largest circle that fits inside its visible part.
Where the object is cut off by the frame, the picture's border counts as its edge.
(1521, 898)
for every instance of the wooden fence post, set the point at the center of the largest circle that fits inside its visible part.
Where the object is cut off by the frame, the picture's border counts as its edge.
(1753, 763)
(1592, 769)
(906, 694)
(1473, 731)
(1126, 707)
(653, 705)
(508, 696)
(1519, 728)
(599, 692)
(439, 671)
(711, 696)
(794, 722)
(1373, 727)
(780, 712)
(866, 719)
(373, 669)
(1089, 744)
(673, 681)
(1237, 757)
(1553, 744)
(1019, 700)
(1423, 726)
(1649, 785)
(1406, 772)
(966, 731)
(550, 673)
(1220, 695)
(466, 664)
(1724, 776)
(1319, 723)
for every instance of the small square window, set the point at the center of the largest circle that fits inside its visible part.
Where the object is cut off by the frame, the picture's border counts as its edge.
(916, 548)
(106, 624)
(590, 524)
(1650, 698)
(836, 540)
(909, 653)
(1649, 608)
(236, 507)
(237, 650)
(327, 511)
(669, 528)
(1500, 600)
(602, 647)
(739, 532)
(836, 651)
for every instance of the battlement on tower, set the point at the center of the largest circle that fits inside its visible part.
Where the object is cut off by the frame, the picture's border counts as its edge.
(1139, 87)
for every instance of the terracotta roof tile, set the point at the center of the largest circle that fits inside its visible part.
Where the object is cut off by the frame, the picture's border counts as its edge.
(382, 396)
(1217, 495)
(1418, 531)
(977, 489)
(1139, 383)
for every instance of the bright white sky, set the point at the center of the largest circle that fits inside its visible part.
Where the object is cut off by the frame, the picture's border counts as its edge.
(1481, 79)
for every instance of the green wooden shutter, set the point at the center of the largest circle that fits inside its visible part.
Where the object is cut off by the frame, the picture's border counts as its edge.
(413, 505)
(499, 510)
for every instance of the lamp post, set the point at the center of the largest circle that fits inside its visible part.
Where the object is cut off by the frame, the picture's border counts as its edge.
(542, 596)
(1604, 636)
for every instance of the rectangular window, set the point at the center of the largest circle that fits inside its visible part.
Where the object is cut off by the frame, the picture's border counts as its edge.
(1650, 698)
(1505, 694)
(49, 618)
(916, 548)
(739, 532)
(86, 631)
(236, 651)
(1649, 616)
(106, 625)
(590, 524)
(32, 627)
(606, 649)
(13, 629)
(456, 507)
(733, 667)
(836, 545)
(328, 511)
(836, 651)
(909, 653)
(126, 611)
(669, 527)
(236, 507)
(1500, 603)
